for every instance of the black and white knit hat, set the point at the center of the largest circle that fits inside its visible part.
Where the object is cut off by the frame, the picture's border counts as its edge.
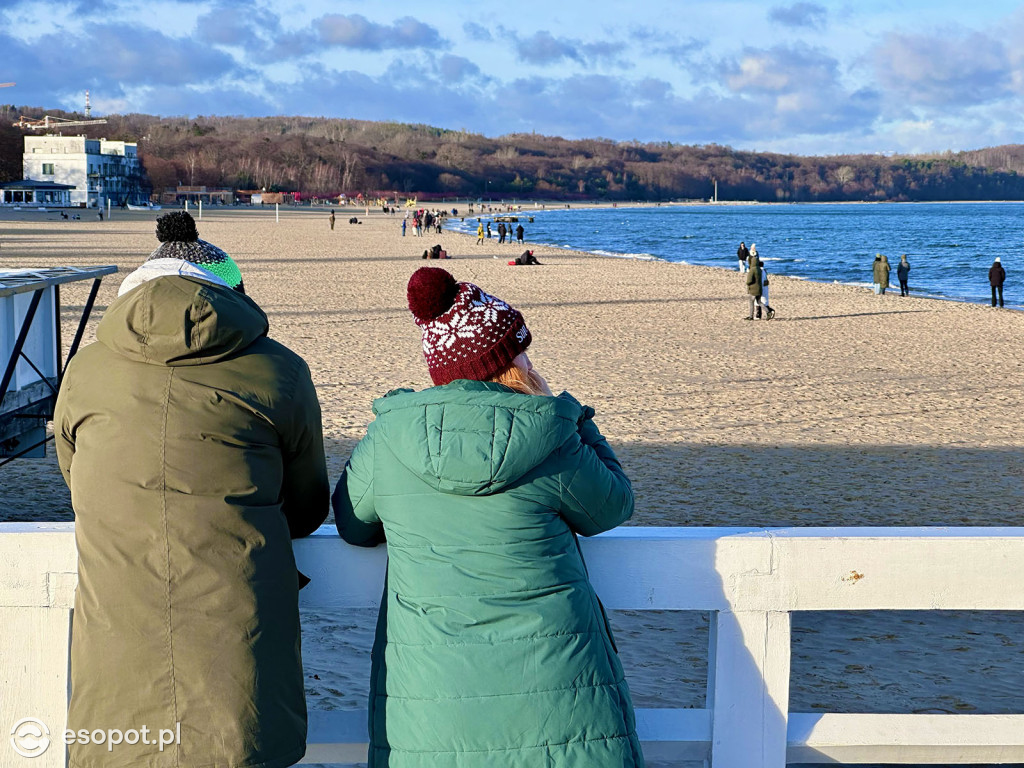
(467, 333)
(179, 239)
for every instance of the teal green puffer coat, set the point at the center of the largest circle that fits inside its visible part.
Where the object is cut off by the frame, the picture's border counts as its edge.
(492, 649)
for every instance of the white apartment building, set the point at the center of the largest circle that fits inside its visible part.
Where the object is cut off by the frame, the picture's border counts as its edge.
(99, 170)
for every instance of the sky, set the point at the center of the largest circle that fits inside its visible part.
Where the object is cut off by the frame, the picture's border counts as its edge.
(809, 78)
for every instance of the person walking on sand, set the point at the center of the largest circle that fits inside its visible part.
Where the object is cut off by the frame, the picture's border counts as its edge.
(331, 219)
(996, 278)
(903, 275)
(753, 281)
(752, 257)
(755, 288)
(769, 313)
(489, 629)
(519, 234)
(479, 233)
(743, 255)
(192, 446)
(403, 227)
(880, 274)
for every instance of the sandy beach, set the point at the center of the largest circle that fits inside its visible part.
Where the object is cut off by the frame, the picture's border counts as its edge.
(847, 409)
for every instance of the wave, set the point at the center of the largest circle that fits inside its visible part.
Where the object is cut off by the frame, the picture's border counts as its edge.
(635, 256)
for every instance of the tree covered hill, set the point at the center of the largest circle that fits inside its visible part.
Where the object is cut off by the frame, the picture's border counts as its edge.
(328, 156)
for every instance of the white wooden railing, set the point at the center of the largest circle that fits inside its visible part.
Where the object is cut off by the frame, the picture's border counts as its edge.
(749, 580)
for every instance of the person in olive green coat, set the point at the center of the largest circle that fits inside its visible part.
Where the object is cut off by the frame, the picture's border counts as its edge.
(192, 446)
(880, 274)
(753, 282)
(492, 649)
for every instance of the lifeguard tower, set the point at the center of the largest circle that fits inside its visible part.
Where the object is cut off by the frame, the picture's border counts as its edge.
(30, 352)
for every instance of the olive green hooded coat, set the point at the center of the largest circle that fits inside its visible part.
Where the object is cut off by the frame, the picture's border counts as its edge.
(880, 271)
(192, 446)
(492, 649)
(754, 277)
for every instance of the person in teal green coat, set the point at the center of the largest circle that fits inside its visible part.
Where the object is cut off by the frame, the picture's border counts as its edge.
(492, 648)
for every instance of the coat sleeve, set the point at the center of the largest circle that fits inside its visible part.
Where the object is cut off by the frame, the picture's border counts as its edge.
(63, 432)
(596, 495)
(354, 512)
(306, 487)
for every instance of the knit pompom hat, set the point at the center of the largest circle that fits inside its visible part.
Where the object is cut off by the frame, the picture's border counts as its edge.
(179, 239)
(467, 333)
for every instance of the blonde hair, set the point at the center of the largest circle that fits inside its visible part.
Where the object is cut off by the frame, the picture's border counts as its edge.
(515, 378)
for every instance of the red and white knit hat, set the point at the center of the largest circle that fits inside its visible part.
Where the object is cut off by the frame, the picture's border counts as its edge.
(467, 334)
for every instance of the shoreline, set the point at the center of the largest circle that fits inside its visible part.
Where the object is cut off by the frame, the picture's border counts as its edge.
(730, 262)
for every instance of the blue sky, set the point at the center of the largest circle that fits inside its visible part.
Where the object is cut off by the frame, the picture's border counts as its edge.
(802, 77)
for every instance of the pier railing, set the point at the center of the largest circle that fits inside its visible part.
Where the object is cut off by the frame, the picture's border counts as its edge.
(750, 582)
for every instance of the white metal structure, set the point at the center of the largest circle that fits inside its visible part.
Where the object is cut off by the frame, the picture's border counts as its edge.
(51, 123)
(30, 351)
(750, 581)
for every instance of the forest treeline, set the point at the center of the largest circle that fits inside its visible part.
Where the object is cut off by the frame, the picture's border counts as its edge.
(328, 156)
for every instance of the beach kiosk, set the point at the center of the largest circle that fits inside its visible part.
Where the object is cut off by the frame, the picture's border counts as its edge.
(30, 352)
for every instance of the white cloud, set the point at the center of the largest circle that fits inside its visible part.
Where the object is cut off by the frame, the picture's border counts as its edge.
(947, 71)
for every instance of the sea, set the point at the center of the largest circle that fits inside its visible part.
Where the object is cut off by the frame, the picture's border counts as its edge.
(949, 246)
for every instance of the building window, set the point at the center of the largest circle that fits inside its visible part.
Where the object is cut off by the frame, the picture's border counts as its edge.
(47, 169)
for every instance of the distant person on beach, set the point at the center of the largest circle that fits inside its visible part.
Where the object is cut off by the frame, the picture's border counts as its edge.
(519, 234)
(488, 230)
(903, 275)
(403, 227)
(743, 255)
(880, 274)
(479, 233)
(763, 301)
(525, 259)
(192, 446)
(996, 278)
(755, 287)
(489, 629)
(501, 232)
(331, 219)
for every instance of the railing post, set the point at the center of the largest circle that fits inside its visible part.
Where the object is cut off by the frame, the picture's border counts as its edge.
(34, 649)
(748, 688)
